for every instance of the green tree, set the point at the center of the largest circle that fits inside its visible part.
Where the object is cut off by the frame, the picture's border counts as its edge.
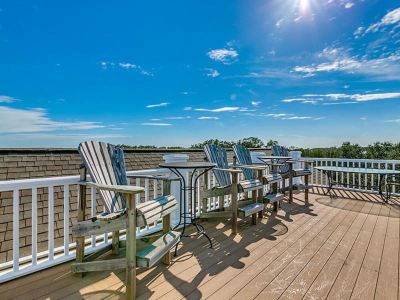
(271, 143)
(251, 142)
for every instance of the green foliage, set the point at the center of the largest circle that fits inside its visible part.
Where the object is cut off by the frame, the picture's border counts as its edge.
(271, 143)
(378, 150)
(146, 147)
(251, 142)
(224, 144)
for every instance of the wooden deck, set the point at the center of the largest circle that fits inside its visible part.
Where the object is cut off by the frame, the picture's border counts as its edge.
(349, 251)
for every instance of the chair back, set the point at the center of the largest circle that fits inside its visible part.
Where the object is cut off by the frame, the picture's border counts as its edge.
(281, 151)
(243, 157)
(106, 165)
(217, 155)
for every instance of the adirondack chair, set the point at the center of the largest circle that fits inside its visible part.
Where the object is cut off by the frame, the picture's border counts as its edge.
(256, 171)
(288, 172)
(228, 184)
(106, 166)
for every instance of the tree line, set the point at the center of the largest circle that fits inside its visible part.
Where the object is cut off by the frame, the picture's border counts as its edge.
(377, 150)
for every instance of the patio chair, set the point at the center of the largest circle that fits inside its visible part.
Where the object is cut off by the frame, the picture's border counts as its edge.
(253, 171)
(227, 179)
(106, 166)
(288, 172)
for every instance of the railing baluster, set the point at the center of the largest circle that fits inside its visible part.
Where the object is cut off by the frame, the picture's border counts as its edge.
(50, 218)
(155, 188)
(34, 226)
(16, 230)
(137, 196)
(66, 219)
(146, 190)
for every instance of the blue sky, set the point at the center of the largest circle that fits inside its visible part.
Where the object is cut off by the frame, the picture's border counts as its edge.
(303, 72)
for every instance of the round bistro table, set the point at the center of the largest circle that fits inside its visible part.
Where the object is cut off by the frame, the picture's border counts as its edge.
(188, 192)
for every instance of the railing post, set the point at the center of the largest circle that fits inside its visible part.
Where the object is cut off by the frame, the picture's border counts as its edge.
(80, 241)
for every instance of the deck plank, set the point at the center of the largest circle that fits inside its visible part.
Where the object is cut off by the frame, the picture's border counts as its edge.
(346, 279)
(342, 237)
(388, 279)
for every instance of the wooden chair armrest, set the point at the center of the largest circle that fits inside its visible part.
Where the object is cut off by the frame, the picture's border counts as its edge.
(252, 167)
(158, 177)
(228, 170)
(124, 189)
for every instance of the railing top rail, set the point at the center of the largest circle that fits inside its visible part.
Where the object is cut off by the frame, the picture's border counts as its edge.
(20, 184)
(383, 161)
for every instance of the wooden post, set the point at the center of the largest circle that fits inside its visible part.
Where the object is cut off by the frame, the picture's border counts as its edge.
(290, 182)
(274, 188)
(306, 189)
(80, 241)
(115, 242)
(307, 165)
(166, 228)
(234, 201)
(260, 193)
(166, 220)
(131, 248)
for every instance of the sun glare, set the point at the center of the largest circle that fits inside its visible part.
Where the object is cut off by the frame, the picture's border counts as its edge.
(304, 6)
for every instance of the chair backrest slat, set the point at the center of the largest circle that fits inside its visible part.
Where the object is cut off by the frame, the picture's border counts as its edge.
(281, 151)
(106, 165)
(243, 157)
(218, 156)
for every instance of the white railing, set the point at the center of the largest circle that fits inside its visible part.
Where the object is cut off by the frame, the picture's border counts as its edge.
(351, 181)
(19, 266)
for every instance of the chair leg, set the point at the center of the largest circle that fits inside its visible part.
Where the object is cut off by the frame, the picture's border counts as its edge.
(131, 249)
(306, 190)
(234, 203)
(276, 206)
(115, 242)
(166, 227)
(254, 219)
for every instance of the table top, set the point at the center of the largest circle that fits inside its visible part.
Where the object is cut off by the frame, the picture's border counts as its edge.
(188, 165)
(358, 170)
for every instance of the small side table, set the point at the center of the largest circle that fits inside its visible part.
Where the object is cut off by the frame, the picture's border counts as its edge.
(187, 218)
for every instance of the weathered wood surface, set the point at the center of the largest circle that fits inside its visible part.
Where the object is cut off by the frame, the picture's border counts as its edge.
(333, 253)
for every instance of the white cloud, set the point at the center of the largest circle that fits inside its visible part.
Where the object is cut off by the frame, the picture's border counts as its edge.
(256, 103)
(212, 73)
(208, 118)
(14, 120)
(156, 124)
(339, 60)
(285, 116)
(187, 108)
(225, 56)
(390, 18)
(342, 99)
(7, 99)
(393, 121)
(349, 5)
(221, 109)
(279, 23)
(162, 104)
(126, 66)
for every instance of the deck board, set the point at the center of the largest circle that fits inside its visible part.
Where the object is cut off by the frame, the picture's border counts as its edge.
(343, 252)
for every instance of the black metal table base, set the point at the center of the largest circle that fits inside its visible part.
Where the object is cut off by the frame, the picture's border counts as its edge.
(189, 218)
(331, 183)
